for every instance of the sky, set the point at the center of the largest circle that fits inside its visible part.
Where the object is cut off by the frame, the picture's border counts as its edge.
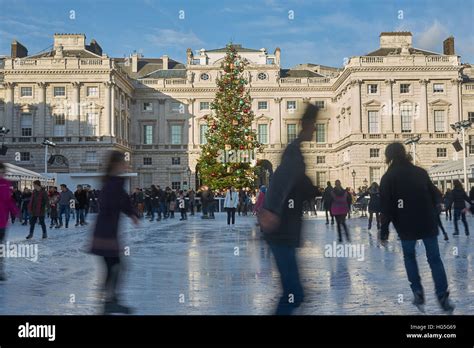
(307, 31)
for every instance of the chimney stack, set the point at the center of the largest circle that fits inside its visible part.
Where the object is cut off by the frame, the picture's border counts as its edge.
(165, 60)
(448, 46)
(189, 56)
(18, 50)
(135, 62)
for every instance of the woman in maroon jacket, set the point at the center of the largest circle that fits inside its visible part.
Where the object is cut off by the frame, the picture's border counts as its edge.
(113, 201)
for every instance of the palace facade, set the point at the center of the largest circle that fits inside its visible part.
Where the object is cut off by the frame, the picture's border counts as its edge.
(153, 108)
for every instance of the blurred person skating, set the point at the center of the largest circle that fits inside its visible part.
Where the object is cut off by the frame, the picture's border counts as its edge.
(211, 204)
(81, 202)
(53, 197)
(460, 198)
(260, 199)
(339, 208)
(25, 202)
(231, 201)
(448, 204)
(182, 205)
(374, 204)
(37, 208)
(8, 207)
(409, 201)
(281, 216)
(65, 198)
(172, 203)
(439, 198)
(192, 201)
(327, 197)
(105, 241)
(16, 195)
(471, 199)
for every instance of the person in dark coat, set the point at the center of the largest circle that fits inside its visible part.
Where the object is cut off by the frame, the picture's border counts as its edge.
(409, 200)
(471, 198)
(460, 199)
(374, 204)
(105, 242)
(37, 208)
(81, 202)
(439, 198)
(327, 198)
(281, 215)
(448, 204)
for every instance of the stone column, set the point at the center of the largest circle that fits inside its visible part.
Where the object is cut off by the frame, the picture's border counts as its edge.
(113, 127)
(9, 107)
(274, 129)
(190, 124)
(457, 105)
(75, 109)
(106, 116)
(425, 127)
(356, 115)
(389, 116)
(41, 115)
(161, 125)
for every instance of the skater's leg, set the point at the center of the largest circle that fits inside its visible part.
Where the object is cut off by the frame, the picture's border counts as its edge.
(411, 266)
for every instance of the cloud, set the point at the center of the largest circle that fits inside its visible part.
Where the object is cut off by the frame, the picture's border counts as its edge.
(431, 38)
(170, 37)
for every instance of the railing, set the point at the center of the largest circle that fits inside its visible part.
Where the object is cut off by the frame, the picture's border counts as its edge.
(469, 87)
(175, 81)
(149, 81)
(437, 59)
(377, 60)
(92, 61)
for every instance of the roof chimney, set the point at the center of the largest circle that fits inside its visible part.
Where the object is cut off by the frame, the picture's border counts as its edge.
(135, 62)
(165, 60)
(448, 46)
(18, 50)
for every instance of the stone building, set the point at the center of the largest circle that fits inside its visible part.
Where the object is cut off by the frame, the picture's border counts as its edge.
(154, 108)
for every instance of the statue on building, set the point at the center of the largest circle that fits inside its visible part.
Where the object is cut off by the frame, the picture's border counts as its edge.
(190, 76)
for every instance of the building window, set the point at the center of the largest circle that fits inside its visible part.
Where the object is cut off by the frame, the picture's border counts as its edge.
(321, 179)
(372, 89)
(147, 106)
(406, 115)
(374, 175)
(59, 91)
(262, 76)
(404, 88)
(26, 124)
(270, 61)
(202, 134)
(291, 105)
(26, 91)
(470, 116)
(320, 133)
(374, 153)
(91, 126)
(147, 134)
(177, 107)
(147, 179)
(373, 122)
(175, 181)
(204, 76)
(147, 161)
(176, 161)
(59, 125)
(263, 133)
(91, 156)
(176, 134)
(438, 88)
(25, 156)
(471, 144)
(291, 132)
(320, 159)
(439, 121)
(93, 91)
(204, 106)
(262, 105)
(441, 152)
(320, 104)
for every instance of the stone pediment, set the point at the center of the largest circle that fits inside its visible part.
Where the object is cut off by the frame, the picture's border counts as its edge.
(262, 117)
(439, 102)
(372, 103)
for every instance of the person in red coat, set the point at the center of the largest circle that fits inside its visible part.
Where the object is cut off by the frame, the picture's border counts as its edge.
(7, 207)
(113, 201)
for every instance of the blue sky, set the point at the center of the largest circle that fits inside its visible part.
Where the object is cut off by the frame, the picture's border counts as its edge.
(321, 32)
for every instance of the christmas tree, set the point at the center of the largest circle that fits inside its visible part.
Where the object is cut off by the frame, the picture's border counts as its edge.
(227, 159)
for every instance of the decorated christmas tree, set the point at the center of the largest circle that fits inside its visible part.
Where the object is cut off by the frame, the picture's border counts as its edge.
(227, 159)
